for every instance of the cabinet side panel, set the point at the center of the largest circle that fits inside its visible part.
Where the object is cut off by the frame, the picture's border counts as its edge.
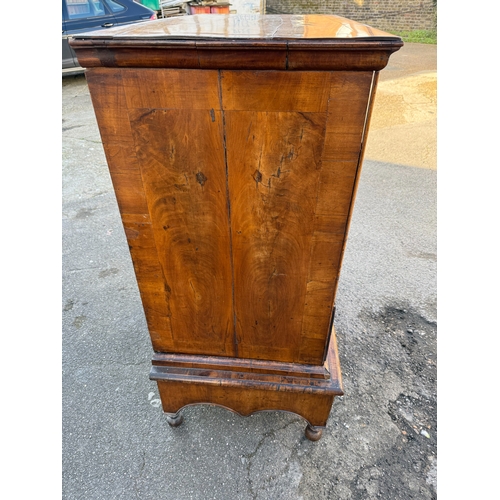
(347, 111)
(110, 107)
(274, 162)
(149, 275)
(181, 156)
(171, 89)
(300, 91)
(293, 145)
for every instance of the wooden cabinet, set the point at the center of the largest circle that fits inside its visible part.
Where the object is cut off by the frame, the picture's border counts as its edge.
(234, 145)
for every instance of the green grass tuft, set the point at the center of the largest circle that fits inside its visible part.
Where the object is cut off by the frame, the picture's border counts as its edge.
(418, 36)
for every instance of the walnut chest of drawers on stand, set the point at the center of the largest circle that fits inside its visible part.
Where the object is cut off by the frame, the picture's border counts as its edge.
(234, 145)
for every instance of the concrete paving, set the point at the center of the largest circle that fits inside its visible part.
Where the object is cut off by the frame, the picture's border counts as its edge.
(403, 128)
(381, 437)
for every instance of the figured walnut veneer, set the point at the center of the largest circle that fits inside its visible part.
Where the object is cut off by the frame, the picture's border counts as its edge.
(235, 158)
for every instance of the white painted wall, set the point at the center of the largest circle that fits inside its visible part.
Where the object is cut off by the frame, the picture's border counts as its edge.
(248, 6)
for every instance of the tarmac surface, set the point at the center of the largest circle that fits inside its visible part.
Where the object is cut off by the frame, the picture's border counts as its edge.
(381, 437)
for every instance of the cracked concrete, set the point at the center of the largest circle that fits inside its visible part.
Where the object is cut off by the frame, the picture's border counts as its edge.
(380, 441)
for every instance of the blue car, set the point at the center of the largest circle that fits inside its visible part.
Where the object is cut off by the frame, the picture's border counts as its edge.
(79, 16)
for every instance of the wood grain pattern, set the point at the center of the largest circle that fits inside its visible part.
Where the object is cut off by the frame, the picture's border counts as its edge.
(235, 161)
(273, 160)
(348, 106)
(240, 365)
(169, 55)
(182, 164)
(176, 394)
(292, 161)
(250, 391)
(149, 274)
(266, 29)
(245, 55)
(279, 42)
(346, 119)
(313, 57)
(303, 92)
(110, 104)
(171, 89)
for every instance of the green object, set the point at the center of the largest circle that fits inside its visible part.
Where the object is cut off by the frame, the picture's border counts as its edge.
(152, 4)
(418, 36)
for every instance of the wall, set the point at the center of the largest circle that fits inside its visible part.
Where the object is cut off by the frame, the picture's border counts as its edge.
(388, 15)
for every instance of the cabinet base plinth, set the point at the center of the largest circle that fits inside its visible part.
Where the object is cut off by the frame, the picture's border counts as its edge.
(247, 386)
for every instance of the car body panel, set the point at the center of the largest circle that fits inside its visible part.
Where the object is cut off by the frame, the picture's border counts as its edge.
(80, 16)
(68, 60)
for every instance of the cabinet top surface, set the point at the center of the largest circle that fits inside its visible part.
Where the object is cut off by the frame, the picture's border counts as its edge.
(245, 26)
